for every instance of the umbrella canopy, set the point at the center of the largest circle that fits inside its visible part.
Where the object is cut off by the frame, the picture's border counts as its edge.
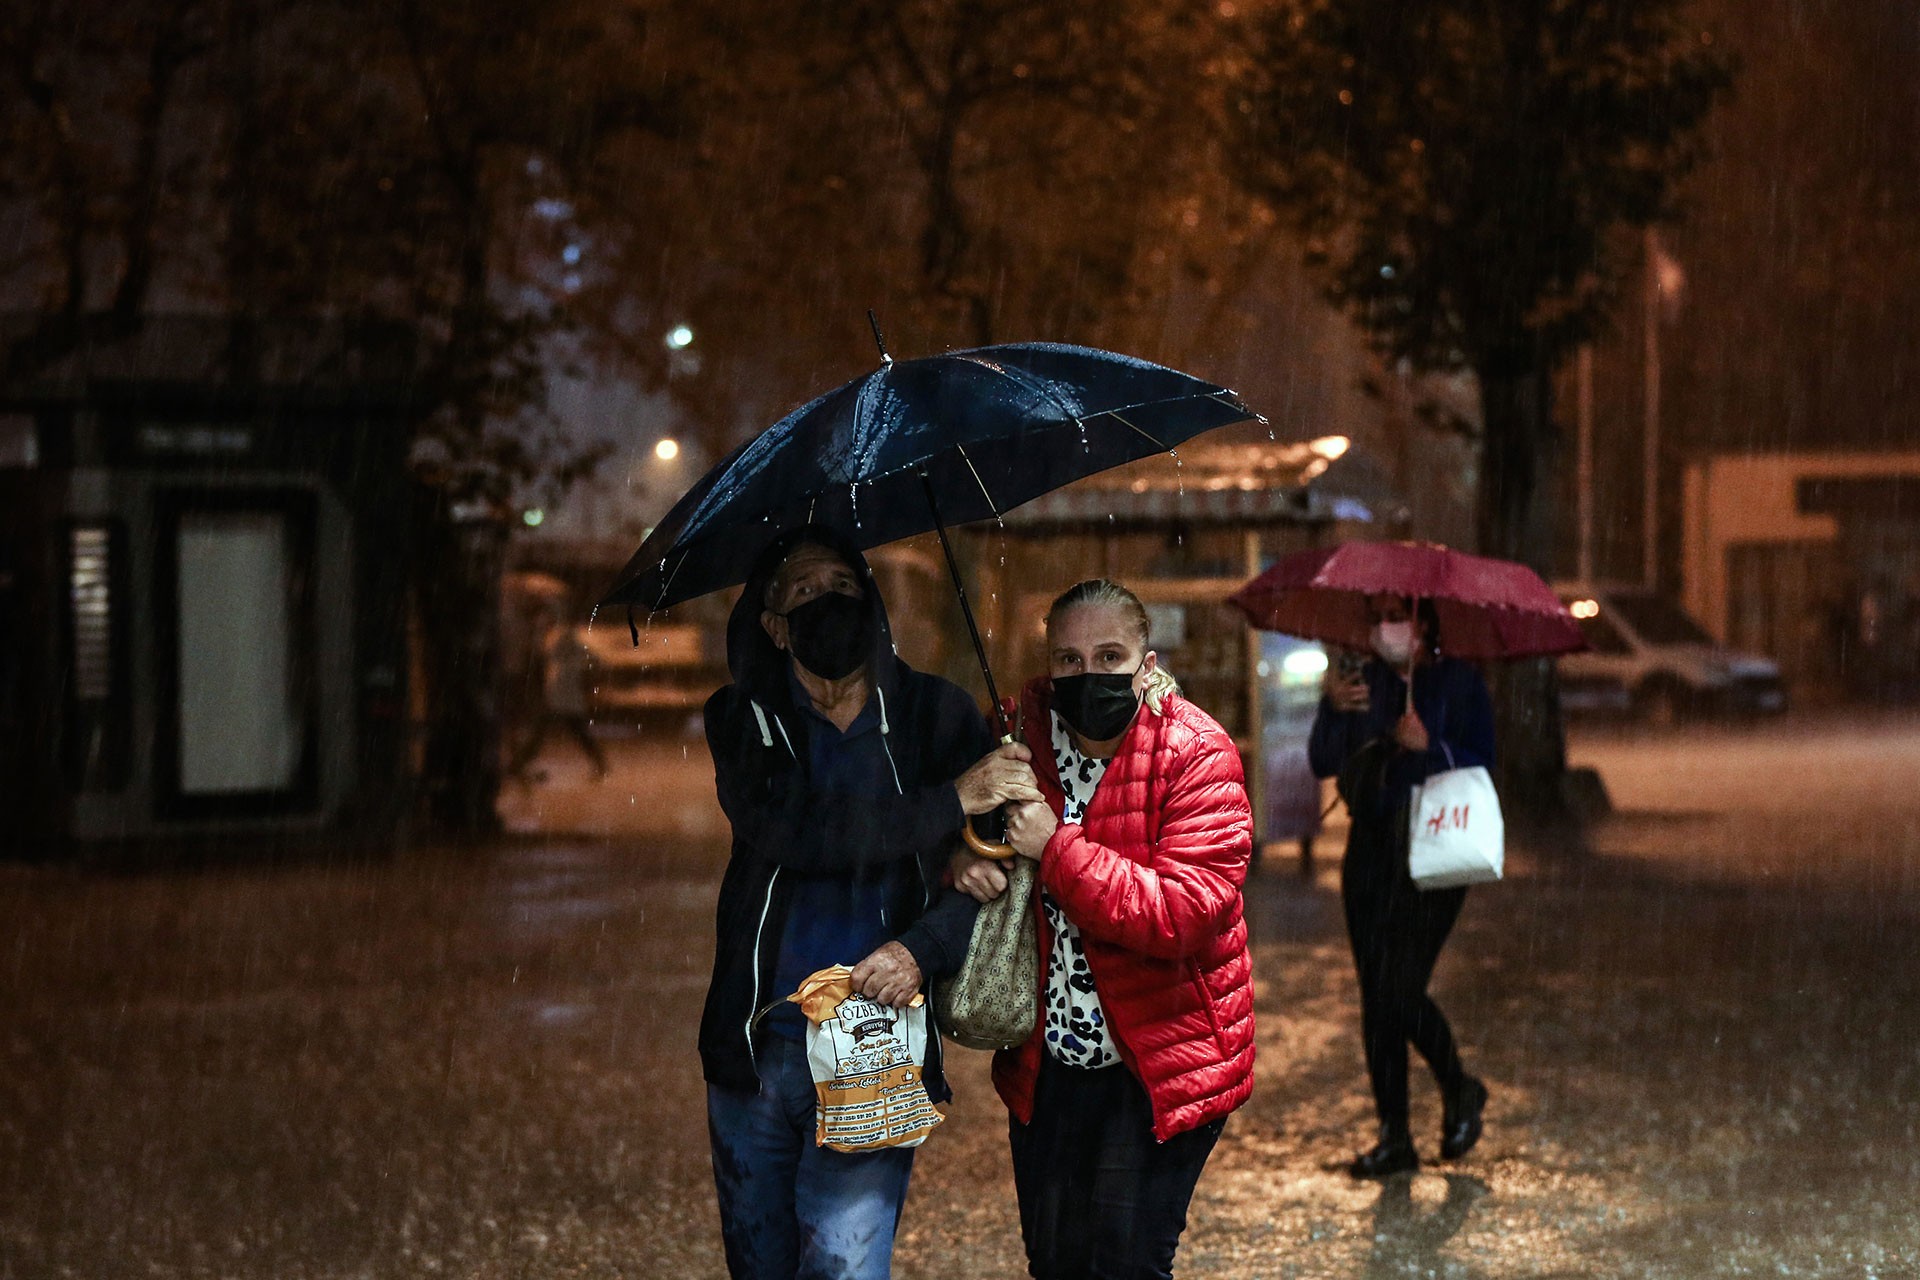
(1487, 608)
(914, 444)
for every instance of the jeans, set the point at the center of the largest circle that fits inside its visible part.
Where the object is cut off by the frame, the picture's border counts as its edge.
(790, 1210)
(1100, 1199)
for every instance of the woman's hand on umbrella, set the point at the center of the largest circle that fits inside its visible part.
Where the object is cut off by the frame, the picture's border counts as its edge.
(1029, 827)
(979, 878)
(1410, 732)
(1003, 777)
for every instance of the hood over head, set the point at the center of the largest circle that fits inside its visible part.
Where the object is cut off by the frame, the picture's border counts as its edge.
(757, 665)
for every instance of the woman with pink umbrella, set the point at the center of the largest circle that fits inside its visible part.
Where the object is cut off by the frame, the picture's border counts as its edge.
(1384, 727)
(1401, 705)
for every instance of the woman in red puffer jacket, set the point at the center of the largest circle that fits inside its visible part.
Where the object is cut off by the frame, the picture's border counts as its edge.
(1145, 1040)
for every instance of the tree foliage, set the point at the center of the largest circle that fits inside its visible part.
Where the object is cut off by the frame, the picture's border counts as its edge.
(396, 159)
(975, 170)
(1463, 171)
(1466, 175)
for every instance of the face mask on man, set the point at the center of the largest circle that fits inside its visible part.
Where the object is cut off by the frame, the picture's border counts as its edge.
(1393, 641)
(1098, 707)
(831, 635)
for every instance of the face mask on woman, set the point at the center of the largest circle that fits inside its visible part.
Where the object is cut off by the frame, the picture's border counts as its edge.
(1098, 707)
(830, 635)
(1393, 641)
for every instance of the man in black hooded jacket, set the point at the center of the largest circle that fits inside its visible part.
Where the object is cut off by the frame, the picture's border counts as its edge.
(846, 776)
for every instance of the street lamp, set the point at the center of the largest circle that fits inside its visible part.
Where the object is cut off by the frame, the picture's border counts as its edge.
(679, 338)
(667, 450)
(1664, 283)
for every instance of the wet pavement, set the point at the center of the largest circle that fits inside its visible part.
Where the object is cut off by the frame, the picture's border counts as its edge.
(1701, 1038)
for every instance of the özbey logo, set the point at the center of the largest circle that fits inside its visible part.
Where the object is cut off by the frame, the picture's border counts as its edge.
(862, 1018)
(1443, 819)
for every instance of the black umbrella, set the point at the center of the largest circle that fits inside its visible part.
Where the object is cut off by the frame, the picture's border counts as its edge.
(915, 445)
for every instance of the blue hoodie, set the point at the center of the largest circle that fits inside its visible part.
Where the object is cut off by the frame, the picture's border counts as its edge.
(1452, 702)
(852, 822)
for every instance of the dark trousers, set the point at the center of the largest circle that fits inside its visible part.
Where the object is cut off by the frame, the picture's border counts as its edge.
(1099, 1198)
(1397, 932)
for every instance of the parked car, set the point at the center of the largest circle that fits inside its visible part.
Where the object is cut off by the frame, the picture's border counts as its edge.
(1650, 657)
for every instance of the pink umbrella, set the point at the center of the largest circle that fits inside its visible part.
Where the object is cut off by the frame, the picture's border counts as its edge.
(1488, 608)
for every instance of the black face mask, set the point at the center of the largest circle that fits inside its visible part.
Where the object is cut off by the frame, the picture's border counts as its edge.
(1098, 707)
(830, 635)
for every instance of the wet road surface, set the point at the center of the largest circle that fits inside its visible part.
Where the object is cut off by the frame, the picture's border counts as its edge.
(1701, 1039)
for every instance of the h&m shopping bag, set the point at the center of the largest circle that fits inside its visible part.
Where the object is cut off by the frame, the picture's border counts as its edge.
(1456, 834)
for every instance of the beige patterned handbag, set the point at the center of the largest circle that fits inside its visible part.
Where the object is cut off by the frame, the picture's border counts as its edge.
(994, 1001)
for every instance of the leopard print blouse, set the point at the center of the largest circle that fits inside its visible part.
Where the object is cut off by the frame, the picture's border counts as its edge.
(1076, 1025)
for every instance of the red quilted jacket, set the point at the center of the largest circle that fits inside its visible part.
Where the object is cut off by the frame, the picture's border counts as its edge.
(1153, 881)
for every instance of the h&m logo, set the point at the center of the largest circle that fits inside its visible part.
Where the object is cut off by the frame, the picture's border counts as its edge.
(1445, 819)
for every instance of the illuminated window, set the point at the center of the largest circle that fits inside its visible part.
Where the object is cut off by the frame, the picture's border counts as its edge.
(90, 595)
(97, 745)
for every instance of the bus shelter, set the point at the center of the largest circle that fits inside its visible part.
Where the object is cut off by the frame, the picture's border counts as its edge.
(1184, 533)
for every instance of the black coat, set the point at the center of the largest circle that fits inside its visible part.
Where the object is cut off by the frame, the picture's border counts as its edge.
(932, 731)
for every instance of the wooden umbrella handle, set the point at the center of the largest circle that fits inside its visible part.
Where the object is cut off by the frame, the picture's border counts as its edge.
(1007, 717)
(984, 848)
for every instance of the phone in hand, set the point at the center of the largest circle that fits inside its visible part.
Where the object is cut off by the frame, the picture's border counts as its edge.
(1351, 662)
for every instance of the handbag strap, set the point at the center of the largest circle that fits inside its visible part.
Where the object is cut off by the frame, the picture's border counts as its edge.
(1442, 718)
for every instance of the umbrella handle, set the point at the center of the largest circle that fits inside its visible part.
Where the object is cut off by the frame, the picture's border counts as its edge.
(984, 848)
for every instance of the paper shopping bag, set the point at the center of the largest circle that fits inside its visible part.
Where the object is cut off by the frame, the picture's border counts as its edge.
(1456, 834)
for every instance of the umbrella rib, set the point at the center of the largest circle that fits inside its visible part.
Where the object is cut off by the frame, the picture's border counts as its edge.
(1022, 379)
(991, 504)
(1122, 418)
(668, 584)
(1232, 400)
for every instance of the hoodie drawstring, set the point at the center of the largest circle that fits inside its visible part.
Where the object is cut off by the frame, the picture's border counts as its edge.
(766, 733)
(881, 694)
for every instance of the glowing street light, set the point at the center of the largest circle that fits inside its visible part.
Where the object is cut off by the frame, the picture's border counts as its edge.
(679, 338)
(1305, 663)
(667, 450)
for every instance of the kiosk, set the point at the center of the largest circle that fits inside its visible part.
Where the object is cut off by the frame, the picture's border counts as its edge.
(203, 589)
